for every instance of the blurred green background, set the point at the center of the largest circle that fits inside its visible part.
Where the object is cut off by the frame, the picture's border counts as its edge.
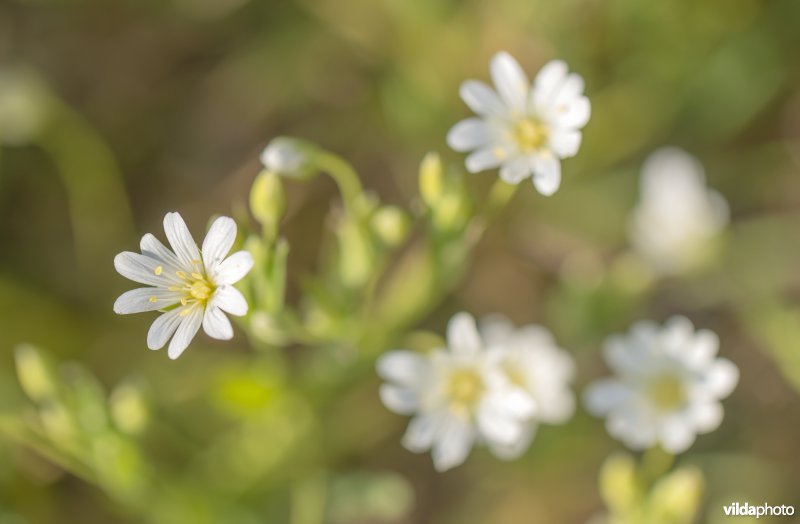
(115, 112)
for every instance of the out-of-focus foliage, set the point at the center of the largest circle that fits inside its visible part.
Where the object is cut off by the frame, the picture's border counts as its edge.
(114, 112)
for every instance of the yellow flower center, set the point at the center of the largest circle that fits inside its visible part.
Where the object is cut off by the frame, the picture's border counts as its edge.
(196, 288)
(530, 134)
(667, 392)
(464, 389)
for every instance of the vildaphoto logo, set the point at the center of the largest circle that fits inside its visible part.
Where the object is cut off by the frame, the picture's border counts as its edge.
(736, 509)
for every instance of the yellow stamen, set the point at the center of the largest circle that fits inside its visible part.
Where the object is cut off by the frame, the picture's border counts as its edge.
(159, 270)
(530, 134)
(181, 275)
(184, 312)
(464, 389)
(184, 301)
(174, 288)
(667, 392)
(197, 276)
(195, 262)
(153, 299)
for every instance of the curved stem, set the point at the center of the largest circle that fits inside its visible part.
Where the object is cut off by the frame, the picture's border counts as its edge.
(345, 177)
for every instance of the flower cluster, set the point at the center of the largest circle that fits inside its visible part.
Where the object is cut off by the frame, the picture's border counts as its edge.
(493, 386)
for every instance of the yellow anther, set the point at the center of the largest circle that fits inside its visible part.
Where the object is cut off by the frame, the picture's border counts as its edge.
(181, 274)
(184, 312)
(195, 261)
(159, 270)
(184, 301)
(499, 153)
(197, 276)
(153, 299)
(174, 288)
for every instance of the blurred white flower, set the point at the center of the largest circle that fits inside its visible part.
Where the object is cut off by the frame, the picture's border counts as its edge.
(491, 388)
(191, 287)
(531, 359)
(667, 385)
(289, 157)
(523, 129)
(677, 214)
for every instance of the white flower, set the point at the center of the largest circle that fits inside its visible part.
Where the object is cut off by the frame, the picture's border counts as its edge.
(289, 157)
(677, 214)
(523, 129)
(459, 396)
(667, 386)
(190, 287)
(532, 360)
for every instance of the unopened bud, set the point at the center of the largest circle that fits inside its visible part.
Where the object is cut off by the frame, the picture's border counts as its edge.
(431, 179)
(390, 224)
(267, 200)
(289, 157)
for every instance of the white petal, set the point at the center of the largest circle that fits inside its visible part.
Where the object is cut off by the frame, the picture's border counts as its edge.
(496, 330)
(216, 324)
(405, 368)
(546, 173)
(189, 325)
(497, 426)
(482, 99)
(510, 81)
(421, 432)
(469, 134)
(462, 335)
(515, 170)
(153, 248)
(605, 395)
(518, 447)
(144, 270)
(547, 81)
(574, 115)
(487, 157)
(145, 299)
(403, 401)
(163, 328)
(702, 350)
(233, 268)
(706, 416)
(230, 300)
(181, 239)
(218, 242)
(676, 435)
(453, 445)
(722, 378)
(634, 428)
(565, 144)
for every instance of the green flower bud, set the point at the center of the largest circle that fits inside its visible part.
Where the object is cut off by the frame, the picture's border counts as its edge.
(390, 224)
(267, 199)
(431, 179)
(34, 374)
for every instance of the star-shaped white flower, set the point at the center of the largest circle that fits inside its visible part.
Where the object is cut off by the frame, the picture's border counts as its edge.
(677, 214)
(459, 395)
(532, 360)
(191, 287)
(667, 386)
(523, 129)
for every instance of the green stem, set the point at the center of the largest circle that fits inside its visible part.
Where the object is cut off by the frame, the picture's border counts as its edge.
(345, 177)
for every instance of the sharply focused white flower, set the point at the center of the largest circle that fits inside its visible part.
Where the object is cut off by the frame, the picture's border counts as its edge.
(677, 214)
(191, 287)
(523, 129)
(531, 359)
(490, 389)
(667, 386)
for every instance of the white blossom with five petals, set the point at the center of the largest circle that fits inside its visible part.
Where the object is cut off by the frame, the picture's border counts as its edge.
(191, 287)
(667, 386)
(525, 130)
